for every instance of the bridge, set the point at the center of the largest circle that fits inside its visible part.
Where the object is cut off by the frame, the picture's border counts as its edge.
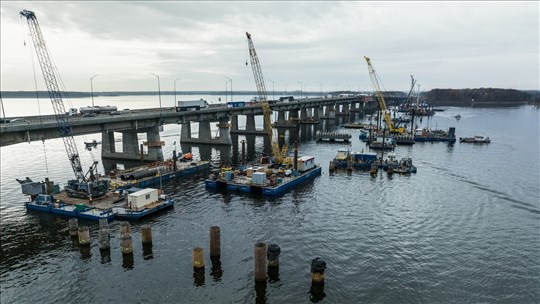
(149, 121)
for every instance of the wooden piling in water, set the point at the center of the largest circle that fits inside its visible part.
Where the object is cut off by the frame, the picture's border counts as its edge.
(198, 258)
(146, 235)
(215, 241)
(260, 262)
(73, 227)
(84, 235)
(104, 240)
(125, 228)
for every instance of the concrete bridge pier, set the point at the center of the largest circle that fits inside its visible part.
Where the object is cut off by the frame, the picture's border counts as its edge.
(345, 109)
(224, 132)
(330, 112)
(154, 147)
(234, 123)
(130, 142)
(281, 118)
(250, 122)
(205, 133)
(293, 115)
(303, 113)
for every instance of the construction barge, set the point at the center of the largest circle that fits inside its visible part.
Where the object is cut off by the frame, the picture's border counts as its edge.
(128, 196)
(266, 179)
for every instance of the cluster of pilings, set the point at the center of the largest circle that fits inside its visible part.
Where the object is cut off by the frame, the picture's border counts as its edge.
(332, 136)
(82, 235)
(265, 268)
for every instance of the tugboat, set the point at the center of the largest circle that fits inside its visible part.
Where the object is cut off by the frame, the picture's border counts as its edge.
(405, 166)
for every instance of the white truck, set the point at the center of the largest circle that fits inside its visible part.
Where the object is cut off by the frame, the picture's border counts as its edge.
(191, 105)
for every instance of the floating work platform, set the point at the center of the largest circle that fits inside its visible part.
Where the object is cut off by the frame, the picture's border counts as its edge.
(421, 135)
(265, 179)
(119, 206)
(155, 173)
(332, 136)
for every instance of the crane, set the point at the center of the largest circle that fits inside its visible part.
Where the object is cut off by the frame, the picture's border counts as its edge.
(380, 99)
(81, 186)
(279, 156)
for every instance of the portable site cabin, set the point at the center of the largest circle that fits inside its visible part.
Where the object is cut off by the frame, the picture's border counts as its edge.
(140, 199)
(305, 163)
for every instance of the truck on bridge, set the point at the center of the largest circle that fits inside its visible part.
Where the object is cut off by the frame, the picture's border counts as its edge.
(191, 105)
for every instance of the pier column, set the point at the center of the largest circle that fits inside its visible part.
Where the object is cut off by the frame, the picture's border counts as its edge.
(330, 112)
(107, 142)
(234, 123)
(186, 131)
(154, 151)
(224, 131)
(319, 111)
(130, 142)
(345, 109)
(250, 122)
(204, 130)
(293, 115)
(281, 118)
(303, 113)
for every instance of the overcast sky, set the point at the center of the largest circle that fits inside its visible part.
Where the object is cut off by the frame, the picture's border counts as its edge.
(308, 44)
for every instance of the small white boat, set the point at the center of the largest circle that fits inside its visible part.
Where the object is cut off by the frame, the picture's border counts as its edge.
(477, 139)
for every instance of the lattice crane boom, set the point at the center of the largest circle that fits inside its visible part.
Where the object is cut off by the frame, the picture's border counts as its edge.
(380, 98)
(55, 94)
(279, 156)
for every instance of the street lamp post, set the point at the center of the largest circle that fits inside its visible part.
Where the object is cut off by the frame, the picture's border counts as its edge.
(273, 95)
(226, 90)
(92, 87)
(231, 88)
(159, 92)
(301, 89)
(175, 101)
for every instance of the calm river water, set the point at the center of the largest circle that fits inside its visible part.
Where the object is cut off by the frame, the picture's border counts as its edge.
(464, 229)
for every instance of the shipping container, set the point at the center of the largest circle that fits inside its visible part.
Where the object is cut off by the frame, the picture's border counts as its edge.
(258, 178)
(305, 163)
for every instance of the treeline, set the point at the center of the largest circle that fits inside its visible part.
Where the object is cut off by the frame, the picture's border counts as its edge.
(480, 95)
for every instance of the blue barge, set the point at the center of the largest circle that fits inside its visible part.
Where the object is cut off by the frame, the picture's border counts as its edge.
(265, 180)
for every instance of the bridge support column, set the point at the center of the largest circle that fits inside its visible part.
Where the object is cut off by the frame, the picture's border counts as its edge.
(319, 112)
(345, 109)
(250, 122)
(154, 150)
(224, 132)
(186, 131)
(303, 113)
(281, 118)
(330, 112)
(107, 142)
(293, 115)
(130, 142)
(204, 130)
(234, 123)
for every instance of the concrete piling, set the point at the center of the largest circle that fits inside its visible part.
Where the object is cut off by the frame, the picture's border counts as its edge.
(318, 266)
(272, 254)
(146, 235)
(198, 258)
(103, 236)
(73, 227)
(84, 235)
(126, 243)
(260, 262)
(104, 239)
(215, 241)
(125, 228)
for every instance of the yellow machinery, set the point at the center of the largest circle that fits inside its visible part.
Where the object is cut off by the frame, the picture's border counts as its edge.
(280, 157)
(380, 99)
